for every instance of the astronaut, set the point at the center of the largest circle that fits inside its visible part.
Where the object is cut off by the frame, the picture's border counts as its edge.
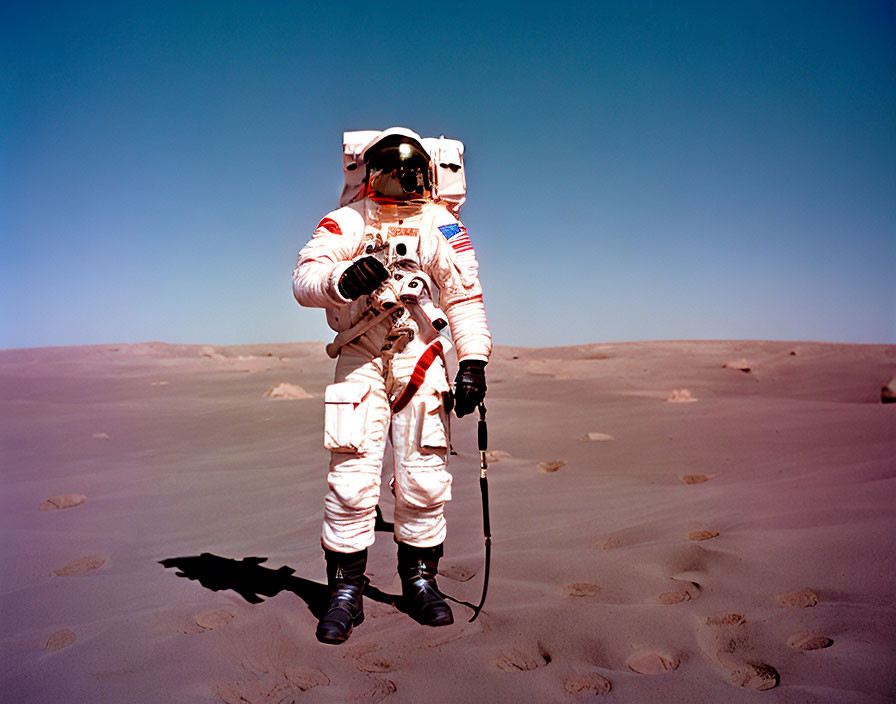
(392, 269)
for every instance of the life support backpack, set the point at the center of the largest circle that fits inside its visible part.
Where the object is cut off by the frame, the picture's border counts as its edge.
(449, 184)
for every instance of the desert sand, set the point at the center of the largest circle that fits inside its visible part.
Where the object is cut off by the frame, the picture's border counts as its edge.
(673, 522)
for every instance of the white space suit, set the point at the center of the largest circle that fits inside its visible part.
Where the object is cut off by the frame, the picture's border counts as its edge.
(391, 270)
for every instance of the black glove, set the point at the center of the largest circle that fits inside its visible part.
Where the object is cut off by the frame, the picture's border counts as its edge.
(362, 277)
(469, 386)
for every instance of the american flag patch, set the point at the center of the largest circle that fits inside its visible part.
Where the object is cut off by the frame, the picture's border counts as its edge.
(457, 237)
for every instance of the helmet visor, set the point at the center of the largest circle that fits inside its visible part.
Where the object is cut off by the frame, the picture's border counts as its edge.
(398, 169)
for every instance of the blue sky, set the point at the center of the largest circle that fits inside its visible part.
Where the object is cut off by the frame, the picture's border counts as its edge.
(635, 170)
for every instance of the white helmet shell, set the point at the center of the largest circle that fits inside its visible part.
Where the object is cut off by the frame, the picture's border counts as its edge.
(449, 185)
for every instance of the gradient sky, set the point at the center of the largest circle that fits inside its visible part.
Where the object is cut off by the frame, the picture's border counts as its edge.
(635, 170)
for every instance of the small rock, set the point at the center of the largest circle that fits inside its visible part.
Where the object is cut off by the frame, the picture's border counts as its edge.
(680, 396)
(289, 392)
(551, 466)
(888, 392)
(741, 365)
(702, 534)
(210, 352)
(595, 437)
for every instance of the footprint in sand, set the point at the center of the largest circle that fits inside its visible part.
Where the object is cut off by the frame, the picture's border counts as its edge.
(582, 589)
(688, 591)
(694, 478)
(273, 688)
(725, 639)
(755, 675)
(368, 658)
(652, 662)
(377, 609)
(80, 566)
(270, 655)
(457, 572)
(303, 680)
(550, 466)
(588, 683)
(60, 639)
(62, 501)
(190, 628)
(702, 535)
(803, 598)
(379, 690)
(730, 619)
(801, 642)
(210, 620)
(522, 659)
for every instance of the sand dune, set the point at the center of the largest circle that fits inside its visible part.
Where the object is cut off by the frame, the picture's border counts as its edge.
(733, 542)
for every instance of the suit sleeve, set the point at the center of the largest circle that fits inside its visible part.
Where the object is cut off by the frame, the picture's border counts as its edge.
(323, 260)
(455, 270)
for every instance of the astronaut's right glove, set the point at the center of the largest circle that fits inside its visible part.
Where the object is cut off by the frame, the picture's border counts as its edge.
(362, 277)
(469, 386)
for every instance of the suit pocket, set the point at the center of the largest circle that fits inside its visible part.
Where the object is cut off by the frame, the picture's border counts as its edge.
(345, 416)
(433, 431)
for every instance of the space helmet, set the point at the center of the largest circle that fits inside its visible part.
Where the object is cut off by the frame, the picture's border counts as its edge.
(399, 169)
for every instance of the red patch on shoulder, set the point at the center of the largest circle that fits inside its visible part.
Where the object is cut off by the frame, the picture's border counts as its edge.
(330, 225)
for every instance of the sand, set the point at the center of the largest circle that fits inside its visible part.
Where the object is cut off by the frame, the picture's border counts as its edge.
(721, 535)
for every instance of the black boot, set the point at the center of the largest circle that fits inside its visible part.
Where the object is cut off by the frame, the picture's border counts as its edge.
(417, 568)
(345, 577)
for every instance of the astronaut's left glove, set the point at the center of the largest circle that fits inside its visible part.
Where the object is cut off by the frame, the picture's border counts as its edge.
(469, 386)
